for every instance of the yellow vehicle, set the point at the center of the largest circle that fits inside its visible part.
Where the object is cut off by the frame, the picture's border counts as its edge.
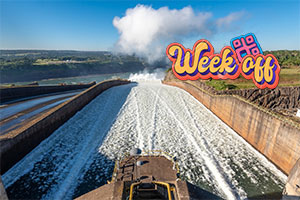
(147, 175)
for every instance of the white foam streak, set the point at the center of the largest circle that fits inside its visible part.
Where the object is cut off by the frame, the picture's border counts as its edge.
(152, 116)
(156, 75)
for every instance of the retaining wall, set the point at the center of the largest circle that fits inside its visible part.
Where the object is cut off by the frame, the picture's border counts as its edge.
(13, 93)
(3, 195)
(17, 143)
(275, 137)
(292, 187)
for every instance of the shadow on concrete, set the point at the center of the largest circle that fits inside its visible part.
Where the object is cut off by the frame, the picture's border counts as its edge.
(96, 176)
(199, 193)
(39, 180)
(100, 171)
(274, 195)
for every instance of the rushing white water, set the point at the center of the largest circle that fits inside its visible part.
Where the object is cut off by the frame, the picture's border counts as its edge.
(79, 156)
(157, 74)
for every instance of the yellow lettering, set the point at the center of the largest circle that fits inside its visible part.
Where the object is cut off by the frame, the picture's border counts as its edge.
(178, 68)
(202, 46)
(226, 62)
(214, 61)
(246, 68)
(203, 61)
(199, 48)
(268, 71)
(187, 62)
(258, 70)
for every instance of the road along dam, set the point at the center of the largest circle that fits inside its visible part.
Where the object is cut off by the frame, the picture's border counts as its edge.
(79, 156)
(17, 114)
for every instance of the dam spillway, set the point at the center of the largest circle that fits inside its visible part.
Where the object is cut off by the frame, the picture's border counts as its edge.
(16, 114)
(79, 156)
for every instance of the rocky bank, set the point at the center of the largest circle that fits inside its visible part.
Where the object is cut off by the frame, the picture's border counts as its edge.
(282, 100)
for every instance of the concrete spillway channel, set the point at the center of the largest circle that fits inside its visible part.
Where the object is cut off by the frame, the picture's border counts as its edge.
(79, 156)
(14, 115)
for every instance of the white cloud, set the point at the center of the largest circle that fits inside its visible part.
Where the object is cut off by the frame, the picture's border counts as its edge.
(228, 20)
(145, 31)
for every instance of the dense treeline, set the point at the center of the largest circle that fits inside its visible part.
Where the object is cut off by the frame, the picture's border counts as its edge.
(286, 58)
(25, 72)
(33, 65)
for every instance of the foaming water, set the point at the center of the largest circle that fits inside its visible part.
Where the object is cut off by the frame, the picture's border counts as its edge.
(79, 156)
(156, 75)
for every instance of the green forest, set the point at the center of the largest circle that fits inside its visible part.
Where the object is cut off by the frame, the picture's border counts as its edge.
(286, 58)
(34, 65)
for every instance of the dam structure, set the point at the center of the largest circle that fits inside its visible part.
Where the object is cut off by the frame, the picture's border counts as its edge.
(80, 155)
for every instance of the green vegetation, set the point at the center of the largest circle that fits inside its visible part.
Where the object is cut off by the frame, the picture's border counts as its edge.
(34, 65)
(286, 58)
(289, 76)
(289, 73)
(169, 69)
(220, 84)
(289, 62)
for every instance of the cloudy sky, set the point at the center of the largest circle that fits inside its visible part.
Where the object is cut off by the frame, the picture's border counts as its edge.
(145, 27)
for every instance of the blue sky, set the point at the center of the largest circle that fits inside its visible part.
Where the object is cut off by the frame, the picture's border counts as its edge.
(87, 25)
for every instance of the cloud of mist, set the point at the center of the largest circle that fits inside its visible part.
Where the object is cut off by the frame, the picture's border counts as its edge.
(226, 22)
(145, 31)
(145, 75)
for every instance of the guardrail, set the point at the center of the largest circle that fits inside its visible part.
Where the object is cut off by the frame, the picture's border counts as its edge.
(164, 184)
(167, 186)
(131, 189)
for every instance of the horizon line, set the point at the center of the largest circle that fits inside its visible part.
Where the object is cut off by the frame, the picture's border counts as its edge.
(21, 49)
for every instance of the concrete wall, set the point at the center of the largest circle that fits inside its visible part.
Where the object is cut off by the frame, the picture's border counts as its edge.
(3, 195)
(292, 187)
(17, 143)
(13, 93)
(275, 137)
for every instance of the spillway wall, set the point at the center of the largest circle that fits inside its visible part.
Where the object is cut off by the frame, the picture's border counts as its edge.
(13, 93)
(17, 143)
(275, 137)
(292, 187)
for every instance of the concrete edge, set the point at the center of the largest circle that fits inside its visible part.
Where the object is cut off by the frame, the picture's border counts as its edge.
(293, 125)
(292, 187)
(3, 195)
(20, 92)
(17, 143)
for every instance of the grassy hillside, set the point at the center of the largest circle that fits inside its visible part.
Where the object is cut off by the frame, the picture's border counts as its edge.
(289, 74)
